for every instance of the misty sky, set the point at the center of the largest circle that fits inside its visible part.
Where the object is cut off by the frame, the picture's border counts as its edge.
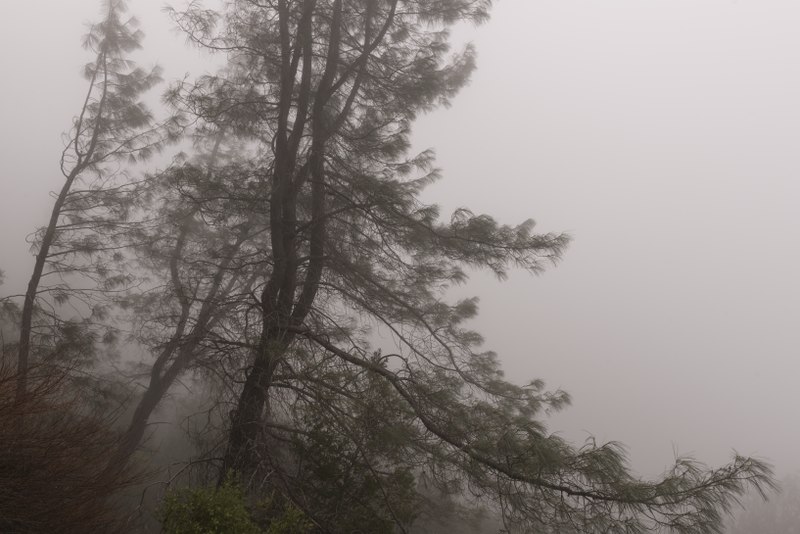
(661, 134)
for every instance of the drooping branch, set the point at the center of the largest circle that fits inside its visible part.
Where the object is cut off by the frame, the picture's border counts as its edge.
(666, 503)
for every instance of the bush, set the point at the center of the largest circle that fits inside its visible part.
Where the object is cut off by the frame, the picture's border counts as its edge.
(224, 510)
(50, 477)
(207, 511)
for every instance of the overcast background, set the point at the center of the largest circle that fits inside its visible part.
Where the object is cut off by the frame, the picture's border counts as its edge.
(661, 134)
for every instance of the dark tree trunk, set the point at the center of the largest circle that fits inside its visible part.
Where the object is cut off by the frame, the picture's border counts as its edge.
(26, 325)
(288, 298)
(242, 454)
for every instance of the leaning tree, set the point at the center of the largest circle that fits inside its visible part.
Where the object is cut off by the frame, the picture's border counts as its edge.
(91, 211)
(325, 92)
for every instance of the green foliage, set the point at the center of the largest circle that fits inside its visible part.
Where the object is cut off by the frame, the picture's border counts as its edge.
(325, 93)
(354, 485)
(281, 516)
(208, 511)
(224, 510)
(295, 233)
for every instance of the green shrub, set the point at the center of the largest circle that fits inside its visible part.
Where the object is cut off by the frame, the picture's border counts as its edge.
(280, 516)
(207, 511)
(224, 510)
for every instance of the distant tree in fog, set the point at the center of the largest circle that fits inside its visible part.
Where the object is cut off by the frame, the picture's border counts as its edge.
(195, 250)
(112, 125)
(780, 514)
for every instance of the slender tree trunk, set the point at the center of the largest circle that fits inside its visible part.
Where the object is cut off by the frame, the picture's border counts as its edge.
(167, 369)
(133, 436)
(26, 326)
(84, 159)
(158, 387)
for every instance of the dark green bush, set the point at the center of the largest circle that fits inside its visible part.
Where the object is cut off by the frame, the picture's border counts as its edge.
(224, 510)
(207, 511)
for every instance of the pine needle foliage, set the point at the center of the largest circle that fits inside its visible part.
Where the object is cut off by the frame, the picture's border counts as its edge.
(296, 233)
(324, 93)
(90, 212)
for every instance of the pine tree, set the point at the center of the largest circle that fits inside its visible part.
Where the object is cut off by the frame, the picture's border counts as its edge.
(325, 92)
(87, 215)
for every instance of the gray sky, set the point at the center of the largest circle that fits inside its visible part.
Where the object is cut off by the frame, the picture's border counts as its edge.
(661, 134)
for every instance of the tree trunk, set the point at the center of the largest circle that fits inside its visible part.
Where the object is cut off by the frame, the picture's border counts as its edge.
(26, 325)
(241, 455)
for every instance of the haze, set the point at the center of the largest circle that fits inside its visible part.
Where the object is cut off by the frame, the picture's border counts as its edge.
(661, 135)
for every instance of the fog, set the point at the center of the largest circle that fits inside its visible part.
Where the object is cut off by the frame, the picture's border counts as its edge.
(660, 135)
